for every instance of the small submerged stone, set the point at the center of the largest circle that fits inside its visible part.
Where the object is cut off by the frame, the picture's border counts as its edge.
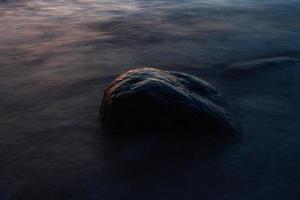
(152, 100)
(259, 66)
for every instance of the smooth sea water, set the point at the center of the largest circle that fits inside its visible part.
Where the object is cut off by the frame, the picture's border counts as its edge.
(56, 57)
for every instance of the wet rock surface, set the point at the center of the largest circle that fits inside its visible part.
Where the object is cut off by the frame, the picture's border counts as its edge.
(147, 99)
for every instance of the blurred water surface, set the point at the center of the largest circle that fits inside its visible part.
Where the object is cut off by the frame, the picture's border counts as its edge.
(56, 56)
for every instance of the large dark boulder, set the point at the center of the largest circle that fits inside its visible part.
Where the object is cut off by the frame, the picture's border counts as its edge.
(151, 100)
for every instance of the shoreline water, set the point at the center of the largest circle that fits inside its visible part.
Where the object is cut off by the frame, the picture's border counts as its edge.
(56, 59)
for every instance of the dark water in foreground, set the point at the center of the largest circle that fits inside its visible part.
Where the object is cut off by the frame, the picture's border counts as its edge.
(57, 56)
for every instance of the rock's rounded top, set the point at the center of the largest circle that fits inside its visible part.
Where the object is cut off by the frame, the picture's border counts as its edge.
(148, 99)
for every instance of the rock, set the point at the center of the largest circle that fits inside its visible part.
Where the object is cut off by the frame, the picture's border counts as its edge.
(151, 100)
(260, 66)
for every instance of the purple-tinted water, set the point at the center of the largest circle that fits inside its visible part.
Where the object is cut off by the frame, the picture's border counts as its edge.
(57, 56)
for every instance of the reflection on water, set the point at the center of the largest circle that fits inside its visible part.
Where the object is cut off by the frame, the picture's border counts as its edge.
(56, 56)
(91, 32)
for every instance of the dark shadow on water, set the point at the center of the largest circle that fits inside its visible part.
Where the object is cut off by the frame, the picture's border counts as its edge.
(152, 152)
